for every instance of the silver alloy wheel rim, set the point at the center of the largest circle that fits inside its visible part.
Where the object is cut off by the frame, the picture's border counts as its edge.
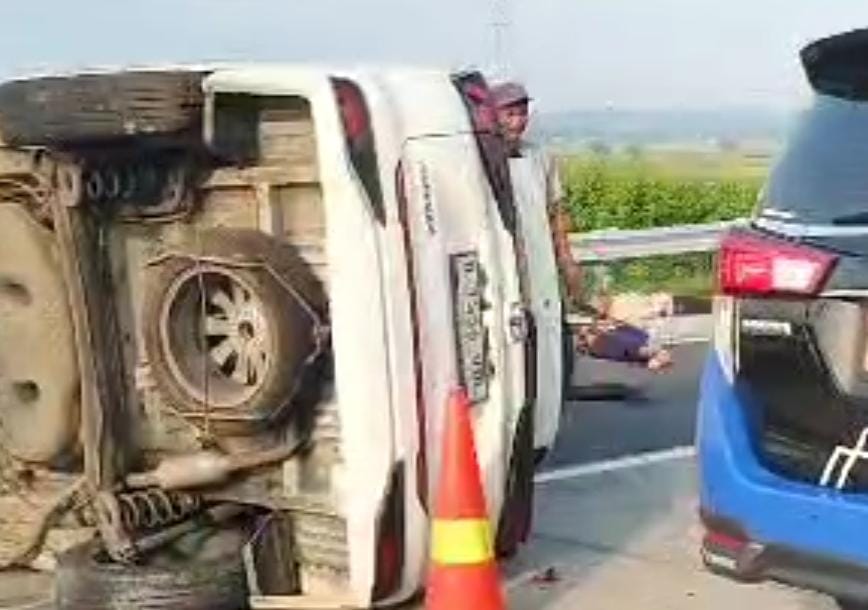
(224, 357)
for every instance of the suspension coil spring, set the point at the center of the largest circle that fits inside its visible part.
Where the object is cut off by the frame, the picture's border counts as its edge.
(153, 508)
(126, 182)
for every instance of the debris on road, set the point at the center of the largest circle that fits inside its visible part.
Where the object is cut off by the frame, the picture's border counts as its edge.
(548, 576)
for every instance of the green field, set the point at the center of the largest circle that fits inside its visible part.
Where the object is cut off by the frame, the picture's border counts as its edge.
(682, 164)
(659, 188)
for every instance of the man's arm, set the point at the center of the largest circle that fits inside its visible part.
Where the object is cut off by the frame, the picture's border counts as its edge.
(561, 225)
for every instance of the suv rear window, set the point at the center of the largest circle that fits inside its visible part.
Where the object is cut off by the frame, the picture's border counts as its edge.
(822, 177)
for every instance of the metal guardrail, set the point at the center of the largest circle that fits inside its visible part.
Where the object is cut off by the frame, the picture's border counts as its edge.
(610, 245)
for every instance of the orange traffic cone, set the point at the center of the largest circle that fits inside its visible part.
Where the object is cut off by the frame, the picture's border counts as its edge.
(463, 575)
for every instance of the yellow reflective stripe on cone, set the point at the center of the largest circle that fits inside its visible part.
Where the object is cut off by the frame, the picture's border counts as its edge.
(461, 541)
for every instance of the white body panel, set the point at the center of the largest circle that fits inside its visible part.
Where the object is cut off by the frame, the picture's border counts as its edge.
(529, 181)
(420, 123)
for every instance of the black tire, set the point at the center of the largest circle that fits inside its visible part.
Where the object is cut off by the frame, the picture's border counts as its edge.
(84, 580)
(68, 110)
(291, 331)
(516, 516)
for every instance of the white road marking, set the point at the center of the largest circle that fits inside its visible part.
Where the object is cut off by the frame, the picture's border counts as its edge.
(624, 463)
(687, 340)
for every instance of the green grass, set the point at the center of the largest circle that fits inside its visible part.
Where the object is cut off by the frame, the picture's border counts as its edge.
(683, 164)
(660, 188)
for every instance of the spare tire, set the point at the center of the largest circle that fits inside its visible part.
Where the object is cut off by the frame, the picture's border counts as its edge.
(240, 355)
(85, 579)
(68, 110)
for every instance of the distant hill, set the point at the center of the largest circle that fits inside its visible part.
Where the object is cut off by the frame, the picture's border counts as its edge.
(621, 128)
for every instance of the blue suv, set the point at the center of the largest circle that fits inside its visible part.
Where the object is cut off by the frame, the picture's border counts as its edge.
(783, 425)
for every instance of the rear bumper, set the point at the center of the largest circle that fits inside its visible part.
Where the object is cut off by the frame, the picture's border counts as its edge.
(798, 533)
(755, 562)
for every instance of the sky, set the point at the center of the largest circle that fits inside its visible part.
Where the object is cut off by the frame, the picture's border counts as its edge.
(573, 54)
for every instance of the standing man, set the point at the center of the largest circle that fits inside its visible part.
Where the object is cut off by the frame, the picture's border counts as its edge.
(549, 349)
(513, 106)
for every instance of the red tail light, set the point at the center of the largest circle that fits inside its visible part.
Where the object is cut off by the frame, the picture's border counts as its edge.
(483, 112)
(361, 145)
(751, 265)
(354, 110)
(724, 541)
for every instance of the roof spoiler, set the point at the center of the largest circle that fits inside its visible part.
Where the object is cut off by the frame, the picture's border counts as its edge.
(838, 65)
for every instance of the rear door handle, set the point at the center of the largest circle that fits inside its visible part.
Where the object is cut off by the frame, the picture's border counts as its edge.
(518, 323)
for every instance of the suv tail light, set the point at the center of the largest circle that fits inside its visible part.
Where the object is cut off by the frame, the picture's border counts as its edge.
(761, 266)
(359, 134)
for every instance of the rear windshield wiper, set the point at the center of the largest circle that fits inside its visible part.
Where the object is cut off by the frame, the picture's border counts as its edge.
(859, 218)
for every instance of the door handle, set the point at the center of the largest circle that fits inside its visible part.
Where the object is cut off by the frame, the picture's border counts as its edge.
(518, 323)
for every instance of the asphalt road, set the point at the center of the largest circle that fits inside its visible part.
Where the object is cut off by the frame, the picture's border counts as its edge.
(659, 414)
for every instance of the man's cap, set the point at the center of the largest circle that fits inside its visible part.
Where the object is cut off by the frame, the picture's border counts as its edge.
(508, 94)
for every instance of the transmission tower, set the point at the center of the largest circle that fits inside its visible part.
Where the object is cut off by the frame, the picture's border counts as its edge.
(501, 29)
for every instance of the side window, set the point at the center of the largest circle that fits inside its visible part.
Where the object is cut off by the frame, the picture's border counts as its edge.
(235, 129)
(273, 130)
(359, 133)
(492, 148)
